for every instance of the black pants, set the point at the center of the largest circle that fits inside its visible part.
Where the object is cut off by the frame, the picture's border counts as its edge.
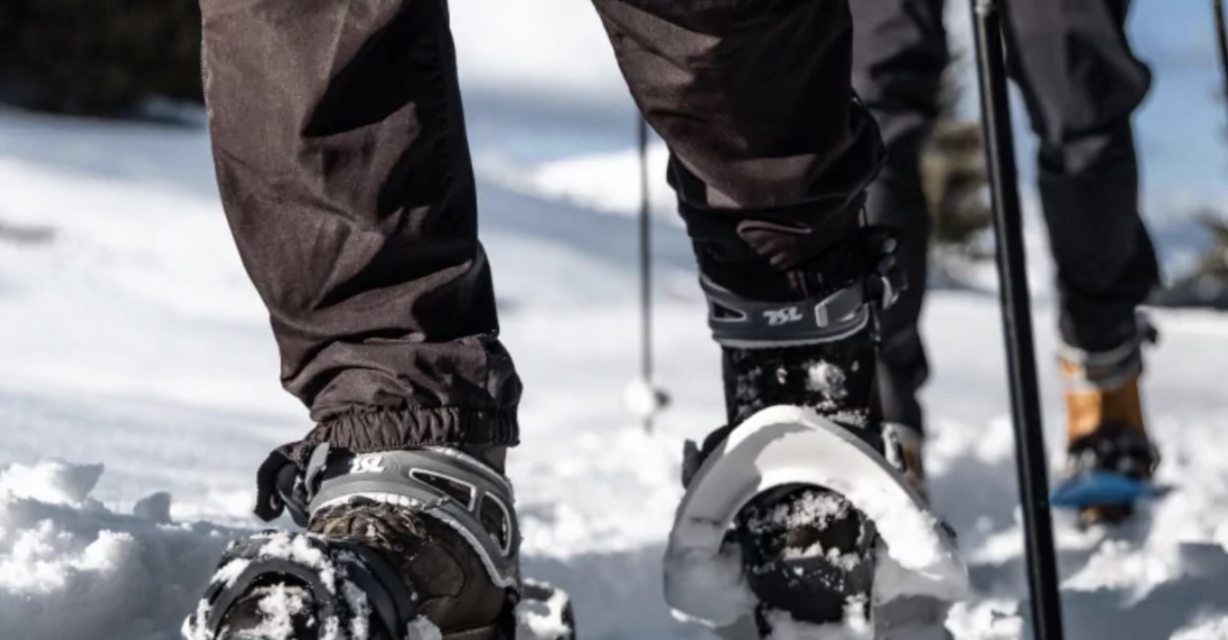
(341, 154)
(1081, 83)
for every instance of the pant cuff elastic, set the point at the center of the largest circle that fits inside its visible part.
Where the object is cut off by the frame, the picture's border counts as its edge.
(370, 431)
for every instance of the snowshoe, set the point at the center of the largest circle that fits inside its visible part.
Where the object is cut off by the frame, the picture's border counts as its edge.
(794, 519)
(1109, 472)
(400, 545)
(1111, 459)
(801, 511)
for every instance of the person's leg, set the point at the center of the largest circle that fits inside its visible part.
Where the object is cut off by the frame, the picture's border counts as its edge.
(344, 172)
(1082, 84)
(899, 55)
(771, 157)
(771, 153)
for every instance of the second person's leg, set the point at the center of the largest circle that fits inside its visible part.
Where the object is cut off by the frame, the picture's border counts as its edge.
(1082, 84)
(900, 52)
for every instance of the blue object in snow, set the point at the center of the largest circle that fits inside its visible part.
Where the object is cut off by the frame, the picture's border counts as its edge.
(1100, 488)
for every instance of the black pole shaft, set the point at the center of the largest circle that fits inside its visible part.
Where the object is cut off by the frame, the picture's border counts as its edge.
(1221, 32)
(645, 268)
(1020, 356)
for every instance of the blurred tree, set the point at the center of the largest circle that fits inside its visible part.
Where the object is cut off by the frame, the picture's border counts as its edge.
(1206, 285)
(1214, 261)
(98, 57)
(953, 174)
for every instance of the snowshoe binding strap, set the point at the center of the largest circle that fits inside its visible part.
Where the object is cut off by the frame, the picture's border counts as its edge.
(346, 582)
(455, 488)
(741, 323)
(1114, 448)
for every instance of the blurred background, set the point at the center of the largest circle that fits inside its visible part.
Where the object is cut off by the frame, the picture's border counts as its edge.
(139, 381)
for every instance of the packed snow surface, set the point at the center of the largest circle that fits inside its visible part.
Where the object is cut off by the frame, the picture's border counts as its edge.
(139, 392)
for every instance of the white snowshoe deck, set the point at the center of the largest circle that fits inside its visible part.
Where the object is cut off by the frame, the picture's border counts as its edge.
(786, 445)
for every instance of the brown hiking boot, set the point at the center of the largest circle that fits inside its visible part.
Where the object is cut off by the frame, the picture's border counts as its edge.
(1105, 425)
(400, 545)
(437, 567)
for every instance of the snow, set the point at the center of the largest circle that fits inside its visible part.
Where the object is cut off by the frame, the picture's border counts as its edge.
(138, 365)
(597, 181)
(155, 507)
(828, 379)
(72, 568)
(855, 627)
(425, 630)
(524, 47)
(279, 604)
(746, 392)
(52, 482)
(548, 624)
(360, 622)
(644, 399)
(708, 583)
(816, 508)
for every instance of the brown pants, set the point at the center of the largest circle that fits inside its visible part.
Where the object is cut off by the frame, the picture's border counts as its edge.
(341, 154)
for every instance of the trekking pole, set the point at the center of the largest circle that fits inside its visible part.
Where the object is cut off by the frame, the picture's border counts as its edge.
(1221, 33)
(1020, 357)
(645, 398)
(645, 270)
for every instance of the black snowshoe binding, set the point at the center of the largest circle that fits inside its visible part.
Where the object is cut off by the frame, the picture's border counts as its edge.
(801, 502)
(400, 545)
(1109, 471)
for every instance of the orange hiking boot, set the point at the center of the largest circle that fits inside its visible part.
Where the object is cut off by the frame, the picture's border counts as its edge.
(1106, 436)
